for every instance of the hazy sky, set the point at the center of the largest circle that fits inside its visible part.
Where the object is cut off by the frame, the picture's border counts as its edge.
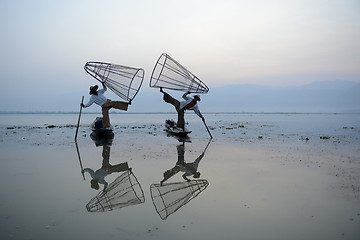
(45, 44)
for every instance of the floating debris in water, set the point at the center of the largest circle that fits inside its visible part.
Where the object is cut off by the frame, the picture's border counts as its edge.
(304, 138)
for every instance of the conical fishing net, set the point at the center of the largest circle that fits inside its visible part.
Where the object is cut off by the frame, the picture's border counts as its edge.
(124, 191)
(169, 197)
(122, 80)
(170, 74)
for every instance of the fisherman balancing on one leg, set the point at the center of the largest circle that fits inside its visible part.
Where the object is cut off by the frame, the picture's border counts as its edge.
(97, 96)
(190, 103)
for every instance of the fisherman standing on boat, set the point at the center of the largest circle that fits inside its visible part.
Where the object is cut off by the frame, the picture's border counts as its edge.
(190, 103)
(97, 96)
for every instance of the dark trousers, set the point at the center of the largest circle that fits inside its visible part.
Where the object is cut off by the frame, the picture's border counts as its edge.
(181, 119)
(107, 106)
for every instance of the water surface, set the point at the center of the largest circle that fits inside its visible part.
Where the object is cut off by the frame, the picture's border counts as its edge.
(263, 176)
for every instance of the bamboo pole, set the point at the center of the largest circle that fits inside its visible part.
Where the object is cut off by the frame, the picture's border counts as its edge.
(207, 128)
(77, 127)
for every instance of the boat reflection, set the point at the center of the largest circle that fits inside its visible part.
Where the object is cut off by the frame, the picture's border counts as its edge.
(182, 139)
(99, 135)
(170, 197)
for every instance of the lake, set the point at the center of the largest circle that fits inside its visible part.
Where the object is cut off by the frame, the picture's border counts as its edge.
(262, 176)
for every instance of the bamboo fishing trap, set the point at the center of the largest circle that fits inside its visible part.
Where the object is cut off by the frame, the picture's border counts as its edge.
(124, 81)
(170, 74)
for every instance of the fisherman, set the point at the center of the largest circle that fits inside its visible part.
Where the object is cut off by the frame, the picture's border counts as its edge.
(190, 103)
(97, 96)
(189, 169)
(99, 175)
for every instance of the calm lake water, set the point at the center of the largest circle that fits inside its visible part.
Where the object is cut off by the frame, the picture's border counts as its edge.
(263, 176)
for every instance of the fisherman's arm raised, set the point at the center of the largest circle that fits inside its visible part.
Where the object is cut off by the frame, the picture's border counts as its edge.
(102, 90)
(184, 96)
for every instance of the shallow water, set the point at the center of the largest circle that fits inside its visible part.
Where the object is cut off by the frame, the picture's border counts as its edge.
(269, 176)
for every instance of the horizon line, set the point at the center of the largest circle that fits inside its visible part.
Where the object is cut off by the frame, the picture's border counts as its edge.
(217, 112)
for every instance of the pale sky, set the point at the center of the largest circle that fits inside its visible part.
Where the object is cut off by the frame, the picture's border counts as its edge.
(45, 44)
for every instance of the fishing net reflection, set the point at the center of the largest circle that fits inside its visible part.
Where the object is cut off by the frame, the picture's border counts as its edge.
(170, 197)
(124, 191)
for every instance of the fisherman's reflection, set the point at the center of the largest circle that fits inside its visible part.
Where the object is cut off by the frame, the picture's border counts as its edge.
(98, 176)
(189, 169)
(170, 197)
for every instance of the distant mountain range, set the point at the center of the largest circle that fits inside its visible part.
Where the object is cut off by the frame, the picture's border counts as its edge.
(326, 96)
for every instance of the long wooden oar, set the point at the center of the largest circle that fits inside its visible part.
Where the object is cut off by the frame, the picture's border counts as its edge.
(207, 128)
(207, 146)
(81, 166)
(77, 127)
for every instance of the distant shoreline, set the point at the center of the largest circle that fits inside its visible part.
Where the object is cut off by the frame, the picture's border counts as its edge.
(116, 112)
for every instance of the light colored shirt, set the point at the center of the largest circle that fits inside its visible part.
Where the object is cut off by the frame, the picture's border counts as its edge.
(99, 99)
(194, 164)
(195, 108)
(99, 175)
